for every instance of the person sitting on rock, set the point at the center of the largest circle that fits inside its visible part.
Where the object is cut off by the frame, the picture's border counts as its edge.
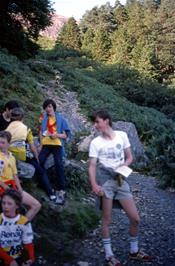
(107, 152)
(9, 177)
(53, 130)
(20, 134)
(5, 117)
(16, 233)
(23, 148)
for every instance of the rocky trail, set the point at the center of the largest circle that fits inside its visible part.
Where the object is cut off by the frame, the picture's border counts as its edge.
(156, 209)
(157, 229)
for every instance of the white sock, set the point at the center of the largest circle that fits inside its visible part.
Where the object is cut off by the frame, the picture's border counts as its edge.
(107, 247)
(134, 244)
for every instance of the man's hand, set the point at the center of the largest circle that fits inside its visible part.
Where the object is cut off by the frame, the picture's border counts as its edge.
(53, 136)
(97, 189)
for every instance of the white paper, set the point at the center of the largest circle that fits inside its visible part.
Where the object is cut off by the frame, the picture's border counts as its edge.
(124, 170)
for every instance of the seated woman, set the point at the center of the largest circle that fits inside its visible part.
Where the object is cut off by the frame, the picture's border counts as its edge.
(16, 233)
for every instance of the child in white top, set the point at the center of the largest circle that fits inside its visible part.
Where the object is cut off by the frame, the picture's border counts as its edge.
(15, 232)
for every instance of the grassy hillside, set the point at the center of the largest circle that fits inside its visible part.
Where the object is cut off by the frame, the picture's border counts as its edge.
(124, 92)
(18, 82)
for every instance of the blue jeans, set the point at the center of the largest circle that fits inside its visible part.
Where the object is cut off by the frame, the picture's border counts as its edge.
(58, 162)
(41, 174)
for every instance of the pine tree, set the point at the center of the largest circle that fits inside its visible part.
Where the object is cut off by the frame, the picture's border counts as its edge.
(101, 45)
(70, 36)
(87, 41)
(102, 16)
(165, 44)
(120, 46)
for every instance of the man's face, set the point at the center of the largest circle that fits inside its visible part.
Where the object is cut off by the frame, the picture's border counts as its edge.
(3, 144)
(101, 124)
(50, 110)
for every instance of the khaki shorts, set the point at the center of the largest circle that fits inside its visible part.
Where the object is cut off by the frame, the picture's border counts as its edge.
(113, 191)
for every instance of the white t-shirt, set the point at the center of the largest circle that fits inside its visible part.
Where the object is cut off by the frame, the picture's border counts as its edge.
(14, 232)
(110, 153)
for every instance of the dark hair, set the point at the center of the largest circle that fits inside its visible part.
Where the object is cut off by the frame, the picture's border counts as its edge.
(102, 113)
(11, 104)
(6, 135)
(17, 113)
(15, 195)
(49, 101)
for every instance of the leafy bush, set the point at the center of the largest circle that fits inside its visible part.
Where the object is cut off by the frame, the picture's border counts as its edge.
(79, 219)
(137, 88)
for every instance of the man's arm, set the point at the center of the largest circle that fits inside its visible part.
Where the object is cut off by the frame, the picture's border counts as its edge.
(128, 156)
(92, 176)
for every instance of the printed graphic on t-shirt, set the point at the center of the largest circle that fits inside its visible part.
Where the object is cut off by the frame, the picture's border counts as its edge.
(111, 153)
(13, 235)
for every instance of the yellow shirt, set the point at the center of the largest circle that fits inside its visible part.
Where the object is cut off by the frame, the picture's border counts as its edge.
(18, 131)
(9, 167)
(46, 140)
(20, 152)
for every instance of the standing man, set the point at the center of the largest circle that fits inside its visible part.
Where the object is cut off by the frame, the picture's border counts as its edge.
(53, 131)
(5, 117)
(107, 152)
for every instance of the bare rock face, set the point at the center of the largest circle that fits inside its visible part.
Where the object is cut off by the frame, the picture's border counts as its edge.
(136, 145)
(83, 145)
(57, 23)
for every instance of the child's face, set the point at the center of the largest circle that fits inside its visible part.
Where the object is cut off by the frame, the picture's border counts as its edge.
(50, 110)
(3, 144)
(9, 206)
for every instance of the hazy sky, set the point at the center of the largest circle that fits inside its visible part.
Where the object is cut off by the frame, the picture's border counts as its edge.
(77, 8)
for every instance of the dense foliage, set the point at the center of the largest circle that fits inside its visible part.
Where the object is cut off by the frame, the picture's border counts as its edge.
(140, 35)
(70, 35)
(20, 22)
